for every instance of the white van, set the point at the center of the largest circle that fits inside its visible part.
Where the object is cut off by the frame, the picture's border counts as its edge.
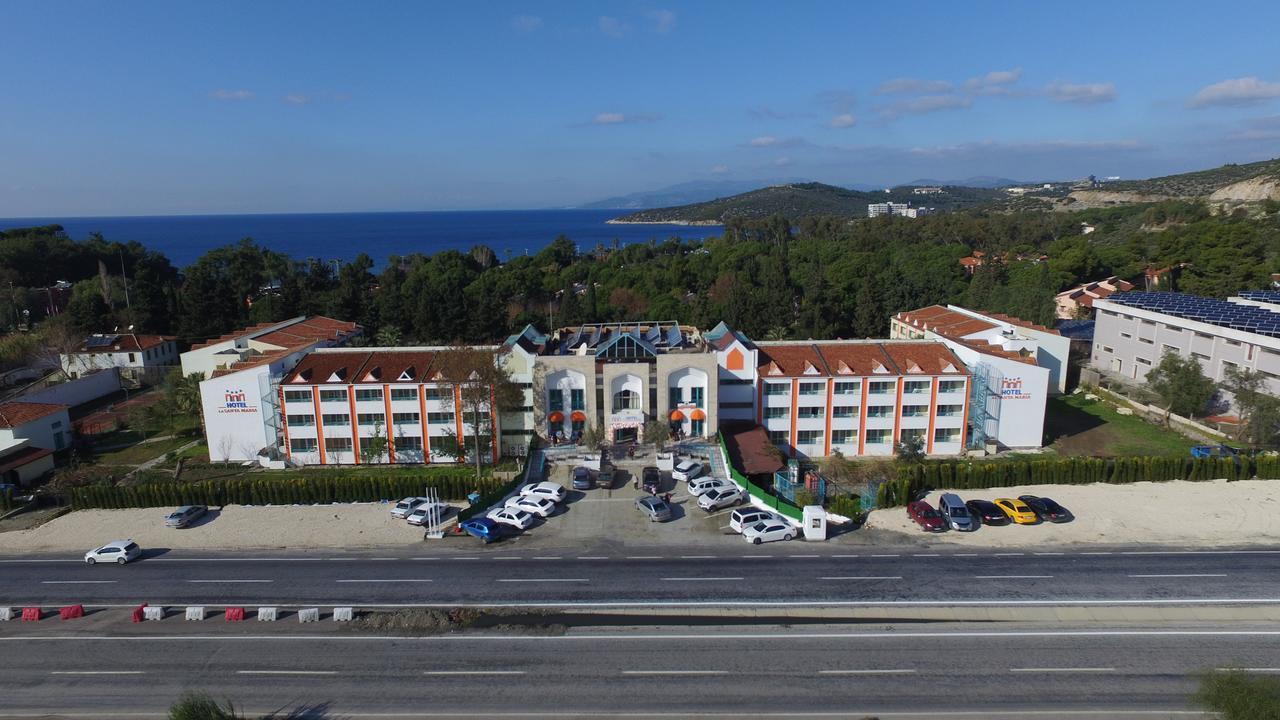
(748, 516)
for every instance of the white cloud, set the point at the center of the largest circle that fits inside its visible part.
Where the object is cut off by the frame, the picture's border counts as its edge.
(611, 26)
(763, 141)
(997, 82)
(610, 119)
(231, 95)
(924, 104)
(617, 118)
(843, 120)
(526, 23)
(1081, 94)
(297, 99)
(913, 86)
(663, 20)
(719, 169)
(1236, 92)
(764, 112)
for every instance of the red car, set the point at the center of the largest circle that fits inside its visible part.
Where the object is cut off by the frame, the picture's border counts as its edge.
(926, 516)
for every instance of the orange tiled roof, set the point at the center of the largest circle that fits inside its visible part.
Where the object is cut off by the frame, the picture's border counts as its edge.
(16, 413)
(834, 359)
(374, 366)
(309, 329)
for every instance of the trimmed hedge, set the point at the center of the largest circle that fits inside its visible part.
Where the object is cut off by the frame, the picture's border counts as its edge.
(6, 500)
(962, 475)
(277, 491)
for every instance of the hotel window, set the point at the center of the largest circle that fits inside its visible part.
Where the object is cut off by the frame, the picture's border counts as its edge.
(1125, 335)
(368, 394)
(626, 400)
(1107, 349)
(408, 443)
(1169, 349)
(336, 419)
(404, 393)
(577, 399)
(778, 437)
(951, 386)
(809, 437)
(435, 393)
(883, 387)
(913, 433)
(337, 444)
(1171, 328)
(1148, 342)
(371, 418)
(1232, 343)
(301, 420)
(301, 445)
(950, 410)
(878, 437)
(809, 413)
(916, 387)
(440, 418)
(331, 395)
(846, 387)
(1142, 361)
(555, 400)
(1200, 356)
(404, 418)
(297, 396)
(913, 411)
(880, 411)
(131, 357)
(774, 388)
(844, 437)
(696, 397)
(812, 388)
(697, 428)
(777, 412)
(677, 396)
(843, 411)
(946, 435)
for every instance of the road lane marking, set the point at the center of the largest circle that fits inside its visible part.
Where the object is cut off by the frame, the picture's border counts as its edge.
(1011, 577)
(593, 557)
(286, 672)
(843, 556)
(97, 672)
(675, 672)
(697, 557)
(230, 581)
(1008, 554)
(1179, 575)
(1064, 670)
(696, 579)
(861, 577)
(547, 557)
(388, 580)
(644, 557)
(886, 555)
(926, 555)
(1245, 669)
(902, 671)
(462, 558)
(757, 557)
(1049, 553)
(803, 556)
(544, 580)
(77, 582)
(473, 672)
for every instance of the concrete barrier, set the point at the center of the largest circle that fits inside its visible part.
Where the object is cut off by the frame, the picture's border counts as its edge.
(343, 614)
(71, 612)
(309, 615)
(153, 613)
(6, 614)
(233, 614)
(268, 614)
(195, 612)
(31, 614)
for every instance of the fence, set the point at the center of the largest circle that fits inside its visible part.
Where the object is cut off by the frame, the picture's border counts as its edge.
(770, 500)
(960, 475)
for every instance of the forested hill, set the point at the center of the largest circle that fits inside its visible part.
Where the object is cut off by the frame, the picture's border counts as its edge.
(800, 200)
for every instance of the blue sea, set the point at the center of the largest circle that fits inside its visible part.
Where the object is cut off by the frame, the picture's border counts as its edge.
(183, 238)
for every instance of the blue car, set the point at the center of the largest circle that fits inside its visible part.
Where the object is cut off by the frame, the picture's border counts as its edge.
(483, 528)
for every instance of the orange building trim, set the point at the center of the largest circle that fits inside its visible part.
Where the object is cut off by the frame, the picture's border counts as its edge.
(933, 413)
(897, 415)
(457, 419)
(355, 424)
(862, 419)
(284, 425)
(795, 411)
(831, 391)
(386, 426)
(422, 423)
(964, 428)
(315, 399)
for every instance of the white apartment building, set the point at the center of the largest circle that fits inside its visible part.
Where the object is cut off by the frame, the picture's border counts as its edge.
(899, 209)
(101, 351)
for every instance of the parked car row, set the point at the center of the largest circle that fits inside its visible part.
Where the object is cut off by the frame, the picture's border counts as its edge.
(956, 514)
(518, 513)
(420, 510)
(760, 526)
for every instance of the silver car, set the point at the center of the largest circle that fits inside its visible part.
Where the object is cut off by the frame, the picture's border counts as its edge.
(657, 509)
(116, 551)
(185, 515)
(956, 514)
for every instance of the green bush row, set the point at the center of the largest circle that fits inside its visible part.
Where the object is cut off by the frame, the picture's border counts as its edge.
(277, 491)
(963, 475)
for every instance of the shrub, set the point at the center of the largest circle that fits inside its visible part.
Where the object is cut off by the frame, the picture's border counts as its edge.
(200, 706)
(1236, 695)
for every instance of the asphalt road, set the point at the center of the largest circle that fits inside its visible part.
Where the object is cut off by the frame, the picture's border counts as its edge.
(786, 574)
(929, 672)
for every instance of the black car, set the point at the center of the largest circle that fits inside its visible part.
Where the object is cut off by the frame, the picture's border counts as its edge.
(651, 480)
(987, 511)
(1046, 509)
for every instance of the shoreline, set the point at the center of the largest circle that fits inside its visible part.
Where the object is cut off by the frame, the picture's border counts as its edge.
(687, 223)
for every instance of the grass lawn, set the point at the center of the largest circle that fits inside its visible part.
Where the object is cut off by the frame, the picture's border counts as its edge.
(1076, 426)
(142, 452)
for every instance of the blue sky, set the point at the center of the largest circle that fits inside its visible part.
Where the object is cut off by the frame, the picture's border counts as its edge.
(175, 108)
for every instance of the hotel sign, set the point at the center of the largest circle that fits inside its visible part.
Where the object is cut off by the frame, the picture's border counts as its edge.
(235, 400)
(1011, 389)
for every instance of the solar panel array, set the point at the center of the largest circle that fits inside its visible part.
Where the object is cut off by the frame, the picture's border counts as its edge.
(1271, 297)
(1248, 318)
(98, 341)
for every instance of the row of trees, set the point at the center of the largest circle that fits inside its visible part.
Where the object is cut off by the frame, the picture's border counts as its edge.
(1183, 389)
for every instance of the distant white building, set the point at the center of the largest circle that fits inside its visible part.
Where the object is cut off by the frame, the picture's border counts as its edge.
(119, 350)
(899, 209)
(926, 190)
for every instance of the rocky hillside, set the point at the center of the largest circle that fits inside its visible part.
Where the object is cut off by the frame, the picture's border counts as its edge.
(1227, 185)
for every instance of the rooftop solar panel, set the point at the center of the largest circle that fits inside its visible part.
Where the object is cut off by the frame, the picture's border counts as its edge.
(1237, 316)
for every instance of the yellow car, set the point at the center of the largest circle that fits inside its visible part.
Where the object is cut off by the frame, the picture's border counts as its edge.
(1017, 511)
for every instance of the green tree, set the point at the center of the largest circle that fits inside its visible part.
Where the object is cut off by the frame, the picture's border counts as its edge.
(484, 389)
(1180, 384)
(910, 448)
(1258, 409)
(1238, 695)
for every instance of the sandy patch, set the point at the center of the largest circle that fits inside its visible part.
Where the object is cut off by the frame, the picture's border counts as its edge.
(232, 527)
(1169, 513)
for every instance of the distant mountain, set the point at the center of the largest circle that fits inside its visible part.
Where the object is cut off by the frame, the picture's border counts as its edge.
(797, 200)
(696, 191)
(1228, 185)
(978, 181)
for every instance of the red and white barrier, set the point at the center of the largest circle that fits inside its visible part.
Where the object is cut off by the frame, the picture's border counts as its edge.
(31, 614)
(234, 614)
(71, 612)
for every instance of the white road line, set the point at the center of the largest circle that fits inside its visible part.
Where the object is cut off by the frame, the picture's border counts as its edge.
(1007, 554)
(844, 556)
(757, 557)
(926, 555)
(675, 672)
(1180, 575)
(286, 672)
(1049, 553)
(506, 557)
(1064, 670)
(696, 557)
(644, 557)
(473, 672)
(543, 580)
(803, 556)
(902, 671)
(1095, 553)
(387, 580)
(463, 558)
(1011, 577)
(886, 555)
(698, 579)
(77, 582)
(861, 577)
(1252, 670)
(547, 557)
(97, 672)
(230, 581)
(593, 557)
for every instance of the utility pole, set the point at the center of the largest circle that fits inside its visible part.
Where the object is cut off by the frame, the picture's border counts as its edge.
(125, 277)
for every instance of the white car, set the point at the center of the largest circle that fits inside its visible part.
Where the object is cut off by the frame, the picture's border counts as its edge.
(699, 486)
(720, 497)
(116, 551)
(542, 507)
(511, 516)
(768, 531)
(421, 515)
(406, 506)
(549, 490)
(748, 516)
(687, 470)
